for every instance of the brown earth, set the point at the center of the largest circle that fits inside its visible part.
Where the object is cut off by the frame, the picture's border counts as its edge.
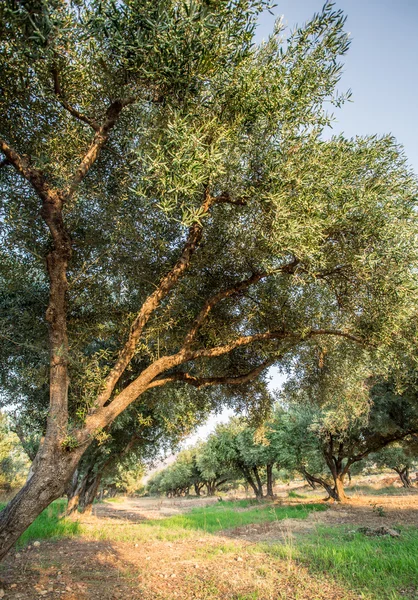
(84, 570)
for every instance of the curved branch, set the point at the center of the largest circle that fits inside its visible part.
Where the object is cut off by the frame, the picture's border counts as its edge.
(23, 166)
(209, 304)
(288, 268)
(152, 302)
(73, 111)
(99, 140)
(200, 382)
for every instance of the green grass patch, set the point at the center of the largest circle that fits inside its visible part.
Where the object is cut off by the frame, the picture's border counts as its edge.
(225, 516)
(50, 524)
(293, 494)
(382, 568)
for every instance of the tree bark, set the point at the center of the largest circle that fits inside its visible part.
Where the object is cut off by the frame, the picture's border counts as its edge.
(211, 488)
(269, 469)
(404, 477)
(47, 483)
(310, 481)
(91, 493)
(250, 480)
(259, 484)
(339, 493)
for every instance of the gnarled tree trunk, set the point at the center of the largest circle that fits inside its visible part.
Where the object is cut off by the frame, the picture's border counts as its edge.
(269, 470)
(52, 472)
(404, 477)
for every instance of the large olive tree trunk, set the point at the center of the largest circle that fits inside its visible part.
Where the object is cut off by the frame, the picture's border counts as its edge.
(46, 483)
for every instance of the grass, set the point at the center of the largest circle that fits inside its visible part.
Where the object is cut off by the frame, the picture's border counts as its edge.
(115, 500)
(379, 568)
(50, 524)
(211, 519)
(225, 516)
(384, 491)
(382, 568)
(293, 494)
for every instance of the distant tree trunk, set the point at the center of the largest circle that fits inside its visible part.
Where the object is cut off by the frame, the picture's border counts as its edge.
(70, 492)
(76, 493)
(248, 477)
(269, 469)
(339, 493)
(404, 476)
(331, 491)
(310, 481)
(338, 472)
(91, 493)
(211, 487)
(259, 484)
(198, 488)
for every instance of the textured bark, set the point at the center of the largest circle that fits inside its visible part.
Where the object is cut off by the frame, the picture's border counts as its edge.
(339, 493)
(48, 482)
(269, 470)
(404, 477)
(91, 493)
(211, 487)
(249, 479)
(260, 493)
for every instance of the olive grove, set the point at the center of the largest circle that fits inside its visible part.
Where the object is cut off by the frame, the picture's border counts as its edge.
(171, 214)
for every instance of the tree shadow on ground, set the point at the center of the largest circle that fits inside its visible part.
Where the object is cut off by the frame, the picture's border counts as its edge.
(206, 568)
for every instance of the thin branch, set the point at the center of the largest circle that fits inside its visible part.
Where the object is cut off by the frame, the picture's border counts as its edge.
(235, 289)
(71, 109)
(200, 382)
(29, 172)
(99, 140)
(209, 304)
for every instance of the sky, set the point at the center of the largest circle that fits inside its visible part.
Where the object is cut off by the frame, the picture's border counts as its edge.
(381, 70)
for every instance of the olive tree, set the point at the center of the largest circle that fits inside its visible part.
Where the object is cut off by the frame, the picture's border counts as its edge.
(171, 214)
(401, 457)
(336, 417)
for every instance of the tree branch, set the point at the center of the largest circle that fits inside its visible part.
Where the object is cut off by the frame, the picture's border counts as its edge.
(99, 140)
(73, 111)
(152, 302)
(209, 304)
(235, 289)
(200, 382)
(267, 335)
(22, 165)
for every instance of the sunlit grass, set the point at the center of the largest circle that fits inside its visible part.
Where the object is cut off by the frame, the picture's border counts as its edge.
(225, 516)
(383, 568)
(293, 494)
(384, 491)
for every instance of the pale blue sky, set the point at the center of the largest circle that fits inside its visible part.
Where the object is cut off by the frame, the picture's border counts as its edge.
(380, 66)
(380, 69)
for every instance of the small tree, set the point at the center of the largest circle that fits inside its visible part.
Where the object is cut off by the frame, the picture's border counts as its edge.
(317, 440)
(402, 457)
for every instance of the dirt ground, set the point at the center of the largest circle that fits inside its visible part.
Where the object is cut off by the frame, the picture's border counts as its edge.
(202, 567)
